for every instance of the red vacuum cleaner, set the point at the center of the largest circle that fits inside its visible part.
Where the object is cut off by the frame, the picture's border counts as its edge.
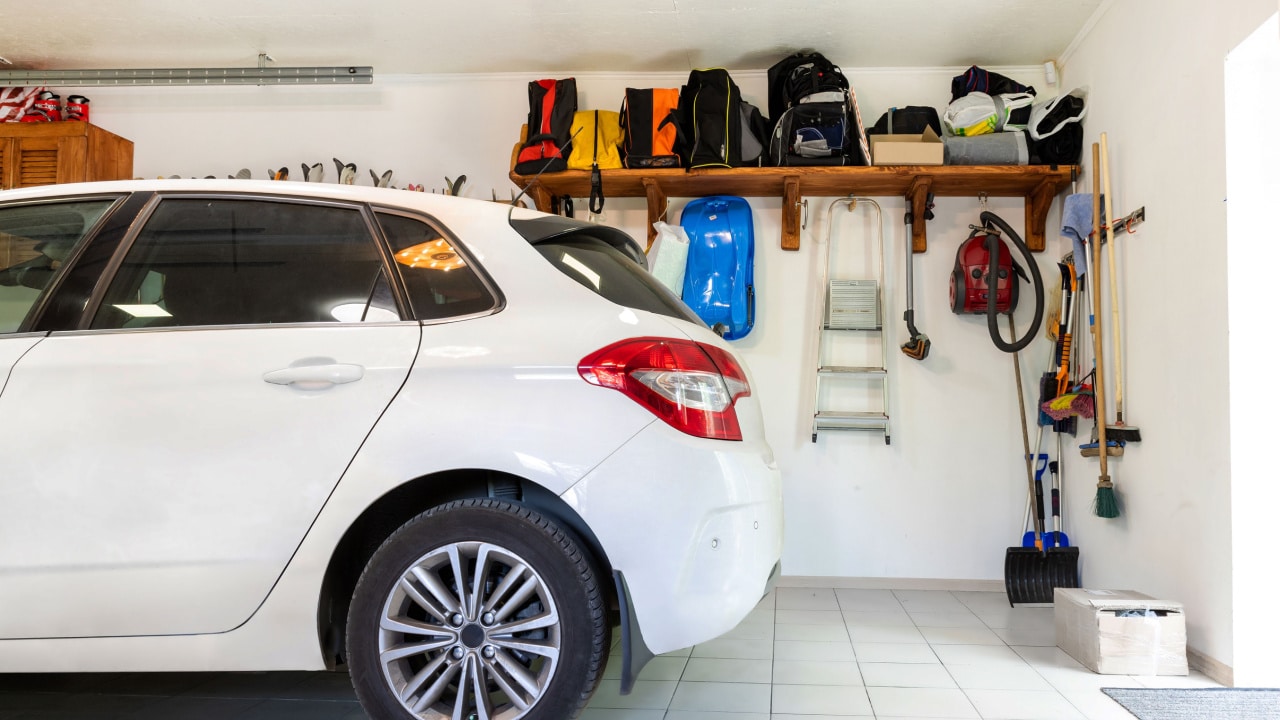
(984, 280)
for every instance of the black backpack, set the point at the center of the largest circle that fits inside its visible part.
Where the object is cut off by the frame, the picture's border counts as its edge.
(816, 119)
(798, 76)
(552, 104)
(717, 127)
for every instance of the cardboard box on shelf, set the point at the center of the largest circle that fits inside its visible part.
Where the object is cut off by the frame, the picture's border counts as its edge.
(920, 149)
(1121, 632)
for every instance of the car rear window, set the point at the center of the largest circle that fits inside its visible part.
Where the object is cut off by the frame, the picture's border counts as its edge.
(603, 269)
(440, 281)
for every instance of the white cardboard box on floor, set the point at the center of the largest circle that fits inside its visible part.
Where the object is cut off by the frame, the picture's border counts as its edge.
(1103, 630)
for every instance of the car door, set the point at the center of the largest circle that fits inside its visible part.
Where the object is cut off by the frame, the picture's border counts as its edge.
(164, 459)
(36, 237)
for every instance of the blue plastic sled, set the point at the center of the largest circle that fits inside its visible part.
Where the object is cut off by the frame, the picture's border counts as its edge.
(719, 279)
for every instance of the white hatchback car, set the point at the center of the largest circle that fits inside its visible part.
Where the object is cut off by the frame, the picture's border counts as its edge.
(449, 444)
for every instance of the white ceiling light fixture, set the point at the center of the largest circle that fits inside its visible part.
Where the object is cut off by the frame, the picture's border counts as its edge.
(261, 75)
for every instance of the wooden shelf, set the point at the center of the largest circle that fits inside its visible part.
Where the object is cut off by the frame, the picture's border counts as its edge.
(1038, 184)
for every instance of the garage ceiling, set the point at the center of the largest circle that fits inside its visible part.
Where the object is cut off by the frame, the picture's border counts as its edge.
(573, 36)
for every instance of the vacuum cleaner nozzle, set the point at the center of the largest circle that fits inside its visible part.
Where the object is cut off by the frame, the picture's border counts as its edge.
(917, 348)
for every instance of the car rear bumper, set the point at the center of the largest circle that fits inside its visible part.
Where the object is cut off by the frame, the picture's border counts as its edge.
(695, 526)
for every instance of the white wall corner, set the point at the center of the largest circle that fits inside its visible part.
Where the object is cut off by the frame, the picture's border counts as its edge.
(1085, 29)
(1252, 91)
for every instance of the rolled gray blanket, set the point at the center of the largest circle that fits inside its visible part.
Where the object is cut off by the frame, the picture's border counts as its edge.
(1002, 148)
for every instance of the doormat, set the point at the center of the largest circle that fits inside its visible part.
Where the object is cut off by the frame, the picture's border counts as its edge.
(1199, 703)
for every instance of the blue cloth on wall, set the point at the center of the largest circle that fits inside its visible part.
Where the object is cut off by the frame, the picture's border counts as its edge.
(1077, 217)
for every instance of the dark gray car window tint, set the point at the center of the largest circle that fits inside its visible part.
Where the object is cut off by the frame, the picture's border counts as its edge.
(240, 261)
(35, 240)
(440, 281)
(604, 270)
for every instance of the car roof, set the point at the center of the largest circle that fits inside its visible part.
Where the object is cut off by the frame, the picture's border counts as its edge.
(427, 202)
(451, 210)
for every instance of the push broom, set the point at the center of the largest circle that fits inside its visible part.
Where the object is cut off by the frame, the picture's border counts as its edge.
(1104, 504)
(1119, 431)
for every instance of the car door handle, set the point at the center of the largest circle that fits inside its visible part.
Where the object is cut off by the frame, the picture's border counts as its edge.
(315, 376)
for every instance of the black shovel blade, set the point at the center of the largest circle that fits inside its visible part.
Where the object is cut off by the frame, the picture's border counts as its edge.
(1030, 575)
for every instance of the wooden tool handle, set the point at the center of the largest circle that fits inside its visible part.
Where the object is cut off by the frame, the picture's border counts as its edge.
(1099, 389)
(1109, 208)
(1026, 439)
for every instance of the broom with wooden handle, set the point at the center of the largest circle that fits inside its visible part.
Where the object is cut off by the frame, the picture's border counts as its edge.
(1104, 503)
(1118, 431)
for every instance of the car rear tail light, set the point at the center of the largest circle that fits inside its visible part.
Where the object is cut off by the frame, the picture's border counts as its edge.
(691, 386)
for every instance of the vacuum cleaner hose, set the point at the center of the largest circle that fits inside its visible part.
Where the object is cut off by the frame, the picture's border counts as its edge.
(988, 219)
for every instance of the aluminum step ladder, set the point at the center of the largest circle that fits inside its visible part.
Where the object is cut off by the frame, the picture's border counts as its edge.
(852, 308)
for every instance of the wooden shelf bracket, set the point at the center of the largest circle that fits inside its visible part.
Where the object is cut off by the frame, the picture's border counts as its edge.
(918, 203)
(541, 197)
(791, 212)
(657, 199)
(1037, 205)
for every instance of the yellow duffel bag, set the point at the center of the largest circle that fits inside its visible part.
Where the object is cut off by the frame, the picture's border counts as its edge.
(596, 137)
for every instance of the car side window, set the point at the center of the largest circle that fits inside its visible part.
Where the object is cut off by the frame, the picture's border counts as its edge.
(201, 261)
(440, 281)
(35, 240)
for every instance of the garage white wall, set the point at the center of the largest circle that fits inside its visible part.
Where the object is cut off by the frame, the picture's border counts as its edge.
(1155, 72)
(946, 498)
(1252, 91)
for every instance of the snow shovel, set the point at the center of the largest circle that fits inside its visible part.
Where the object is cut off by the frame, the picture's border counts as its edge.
(1037, 538)
(1056, 538)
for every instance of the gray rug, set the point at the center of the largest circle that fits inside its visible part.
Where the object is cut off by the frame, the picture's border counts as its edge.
(1198, 704)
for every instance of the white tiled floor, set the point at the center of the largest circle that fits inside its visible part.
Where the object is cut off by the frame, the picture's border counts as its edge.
(824, 654)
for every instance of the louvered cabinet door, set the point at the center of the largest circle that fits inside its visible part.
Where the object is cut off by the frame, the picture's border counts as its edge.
(6, 182)
(48, 160)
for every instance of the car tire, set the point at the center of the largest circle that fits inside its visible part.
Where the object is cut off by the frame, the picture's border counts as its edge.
(535, 640)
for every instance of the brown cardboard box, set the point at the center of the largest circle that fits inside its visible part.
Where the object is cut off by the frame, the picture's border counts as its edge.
(1090, 630)
(922, 149)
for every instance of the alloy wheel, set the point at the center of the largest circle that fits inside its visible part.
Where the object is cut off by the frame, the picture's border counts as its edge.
(469, 631)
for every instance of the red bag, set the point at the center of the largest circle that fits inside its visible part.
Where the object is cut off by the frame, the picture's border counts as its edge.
(552, 104)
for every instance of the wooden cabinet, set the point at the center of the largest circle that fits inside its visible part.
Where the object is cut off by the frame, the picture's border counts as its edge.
(61, 152)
